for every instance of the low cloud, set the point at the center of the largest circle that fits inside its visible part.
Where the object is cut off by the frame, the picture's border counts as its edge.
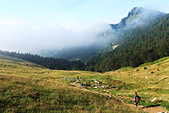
(23, 36)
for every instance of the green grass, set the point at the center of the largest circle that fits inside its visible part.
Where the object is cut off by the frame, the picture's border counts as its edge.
(157, 62)
(19, 94)
(165, 104)
(11, 58)
(26, 87)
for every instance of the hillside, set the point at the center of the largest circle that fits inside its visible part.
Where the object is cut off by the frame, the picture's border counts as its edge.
(140, 45)
(48, 62)
(26, 87)
(77, 53)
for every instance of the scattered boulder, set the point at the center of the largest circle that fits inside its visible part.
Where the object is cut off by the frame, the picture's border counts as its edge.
(95, 87)
(96, 81)
(102, 86)
(154, 99)
(152, 72)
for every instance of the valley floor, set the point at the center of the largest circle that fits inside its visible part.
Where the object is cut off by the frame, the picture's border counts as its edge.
(26, 87)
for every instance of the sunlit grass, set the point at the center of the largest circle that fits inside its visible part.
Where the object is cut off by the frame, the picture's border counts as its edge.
(26, 94)
(25, 79)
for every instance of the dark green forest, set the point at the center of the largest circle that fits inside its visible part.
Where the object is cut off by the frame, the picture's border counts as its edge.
(140, 45)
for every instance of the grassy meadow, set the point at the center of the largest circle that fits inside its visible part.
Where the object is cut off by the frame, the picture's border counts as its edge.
(27, 87)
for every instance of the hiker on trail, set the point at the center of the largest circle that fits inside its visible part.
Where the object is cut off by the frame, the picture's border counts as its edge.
(137, 99)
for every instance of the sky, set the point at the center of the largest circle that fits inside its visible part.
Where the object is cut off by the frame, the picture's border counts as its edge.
(35, 25)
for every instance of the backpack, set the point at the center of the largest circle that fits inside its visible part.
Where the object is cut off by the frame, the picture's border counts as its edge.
(137, 98)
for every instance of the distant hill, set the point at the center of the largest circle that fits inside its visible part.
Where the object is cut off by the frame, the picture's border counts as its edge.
(48, 62)
(80, 53)
(11, 58)
(76, 53)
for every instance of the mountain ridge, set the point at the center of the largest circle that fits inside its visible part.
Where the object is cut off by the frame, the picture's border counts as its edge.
(135, 16)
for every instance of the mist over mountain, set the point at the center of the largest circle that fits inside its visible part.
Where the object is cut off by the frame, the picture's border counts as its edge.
(140, 45)
(28, 37)
(138, 16)
(93, 41)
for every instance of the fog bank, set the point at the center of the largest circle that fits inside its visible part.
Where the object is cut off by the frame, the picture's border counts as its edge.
(25, 36)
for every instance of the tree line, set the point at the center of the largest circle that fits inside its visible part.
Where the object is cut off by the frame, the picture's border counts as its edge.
(48, 62)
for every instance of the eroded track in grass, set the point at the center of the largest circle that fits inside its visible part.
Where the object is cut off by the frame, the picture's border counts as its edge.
(24, 94)
(149, 109)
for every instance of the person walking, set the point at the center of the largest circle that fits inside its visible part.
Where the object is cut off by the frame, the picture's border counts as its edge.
(137, 99)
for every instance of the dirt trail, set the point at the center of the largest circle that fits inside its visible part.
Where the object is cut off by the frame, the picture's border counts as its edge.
(149, 109)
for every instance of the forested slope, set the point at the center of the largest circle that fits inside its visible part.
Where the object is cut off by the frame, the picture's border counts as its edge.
(142, 44)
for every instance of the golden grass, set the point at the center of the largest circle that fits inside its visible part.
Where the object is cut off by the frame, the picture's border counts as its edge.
(149, 83)
(156, 76)
(27, 94)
